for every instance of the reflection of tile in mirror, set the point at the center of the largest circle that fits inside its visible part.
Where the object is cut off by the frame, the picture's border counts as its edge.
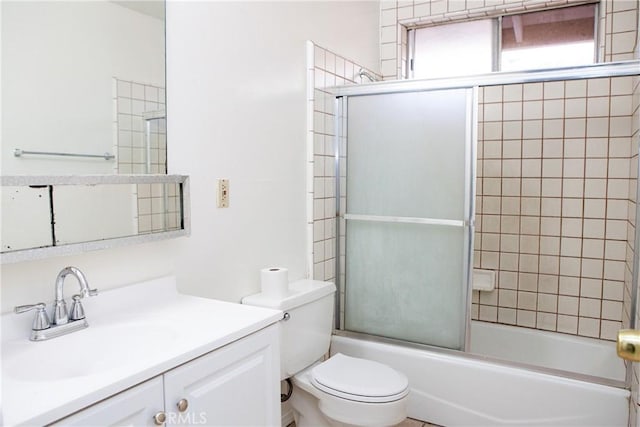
(140, 148)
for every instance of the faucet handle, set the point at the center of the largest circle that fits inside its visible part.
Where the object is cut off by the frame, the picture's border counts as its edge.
(41, 320)
(77, 311)
(92, 292)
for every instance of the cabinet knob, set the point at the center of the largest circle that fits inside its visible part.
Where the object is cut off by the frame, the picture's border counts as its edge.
(159, 418)
(183, 404)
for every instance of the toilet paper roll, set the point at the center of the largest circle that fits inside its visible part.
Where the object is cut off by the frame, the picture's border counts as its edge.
(274, 282)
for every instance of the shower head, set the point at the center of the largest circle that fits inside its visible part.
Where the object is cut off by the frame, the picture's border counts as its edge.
(363, 73)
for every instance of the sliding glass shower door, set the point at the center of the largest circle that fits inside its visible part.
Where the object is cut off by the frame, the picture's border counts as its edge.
(408, 215)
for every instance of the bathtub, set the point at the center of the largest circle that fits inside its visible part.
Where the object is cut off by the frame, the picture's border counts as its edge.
(454, 390)
(552, 350)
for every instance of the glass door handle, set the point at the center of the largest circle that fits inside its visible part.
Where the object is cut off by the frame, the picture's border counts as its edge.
(628, 344)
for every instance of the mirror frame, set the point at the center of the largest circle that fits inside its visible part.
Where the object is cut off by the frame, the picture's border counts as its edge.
(77, 248)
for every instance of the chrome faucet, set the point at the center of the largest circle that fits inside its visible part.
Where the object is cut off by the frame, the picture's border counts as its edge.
(60, 314)
(62, 323)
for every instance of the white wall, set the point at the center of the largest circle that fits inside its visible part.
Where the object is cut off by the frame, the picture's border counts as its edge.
(236, 106)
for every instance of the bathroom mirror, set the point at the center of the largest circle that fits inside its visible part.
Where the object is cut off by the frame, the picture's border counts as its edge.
(83, 92)
(53, 215)
(81, 79)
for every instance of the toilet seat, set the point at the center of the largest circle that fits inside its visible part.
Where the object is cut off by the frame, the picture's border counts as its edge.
(360, 380)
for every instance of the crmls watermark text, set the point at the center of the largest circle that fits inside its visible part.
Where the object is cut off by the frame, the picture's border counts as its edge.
(188, 418)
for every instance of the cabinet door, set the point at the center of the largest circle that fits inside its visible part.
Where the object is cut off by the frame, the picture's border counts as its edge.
(237, 385)
(134, 407)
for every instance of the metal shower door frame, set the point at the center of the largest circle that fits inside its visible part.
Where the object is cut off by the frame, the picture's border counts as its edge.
(468, 221)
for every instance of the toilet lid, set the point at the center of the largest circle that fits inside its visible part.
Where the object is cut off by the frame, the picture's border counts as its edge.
(359, 379)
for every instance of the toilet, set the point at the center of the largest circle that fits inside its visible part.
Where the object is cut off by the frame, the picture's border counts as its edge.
(341, 390)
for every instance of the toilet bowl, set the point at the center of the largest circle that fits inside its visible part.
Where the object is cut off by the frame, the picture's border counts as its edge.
(348, 391)
(341, 390)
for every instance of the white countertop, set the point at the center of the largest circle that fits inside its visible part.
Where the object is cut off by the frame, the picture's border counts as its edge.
(136, 332)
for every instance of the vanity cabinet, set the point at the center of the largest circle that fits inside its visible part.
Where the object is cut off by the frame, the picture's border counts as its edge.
(133, 407)
(238, 384)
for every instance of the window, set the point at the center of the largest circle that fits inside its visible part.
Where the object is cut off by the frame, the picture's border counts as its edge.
(547, 39)
(472, 43)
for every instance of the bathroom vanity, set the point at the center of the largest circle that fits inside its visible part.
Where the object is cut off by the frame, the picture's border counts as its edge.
(150, 356)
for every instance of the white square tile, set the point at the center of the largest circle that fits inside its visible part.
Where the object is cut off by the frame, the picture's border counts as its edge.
(532, 148)
(511, 187)
(594, 208)
(531, 129)
(614, 270)
(553, 128)
(576, 89)
(569, 286)
(571, 246)
(572, 208)
(551, 206)
(575, 107)
(573, 168)
(616, 229)
(595, 188)
(549, 226)
(567, 324)
(596, 168)
(598, 127)
(512, 129)
(592, 248)
(620, 126)
(531, 187)
(532, 91)
(598, 87)
(552, 168)
(615, 250)
(621, 106)
(598, 106)
(512, 111)
(572, 187)
(589, 307)
(613, 290)
(612, 310)
(553, 109)
(493, 94)
(551, 187)
(597, 147)
(575, 128)
(549, 245)
(592, 268)
(574, 147)
(532, 110)
(594, 228)
(553, 90)
(549, 264)
(619, 168)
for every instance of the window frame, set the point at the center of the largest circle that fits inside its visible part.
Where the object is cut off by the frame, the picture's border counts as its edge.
(497, 36)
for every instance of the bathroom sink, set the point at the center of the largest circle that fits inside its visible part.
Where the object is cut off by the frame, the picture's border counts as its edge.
(136, 332)
(93, 351)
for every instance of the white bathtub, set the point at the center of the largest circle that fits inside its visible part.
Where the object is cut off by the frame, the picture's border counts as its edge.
(452, 390)
(581, 355)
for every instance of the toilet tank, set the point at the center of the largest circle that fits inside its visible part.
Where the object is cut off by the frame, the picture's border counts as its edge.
(305, 331)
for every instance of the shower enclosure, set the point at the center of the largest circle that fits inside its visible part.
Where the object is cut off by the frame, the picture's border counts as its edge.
(556, 157)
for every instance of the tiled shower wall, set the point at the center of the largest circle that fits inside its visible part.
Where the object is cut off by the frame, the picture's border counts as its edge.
(555, 205)
(324, 69)
(618, 22)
